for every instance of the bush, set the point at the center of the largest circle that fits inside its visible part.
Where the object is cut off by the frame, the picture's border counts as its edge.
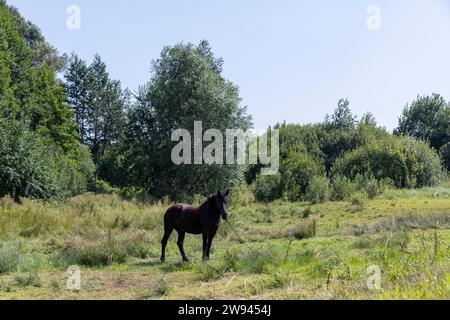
(306, 230)
(9, 258)
(297, 172)
(34, 168)
(407, 162)
(358, 204)
(341, 188)
(28, 280)
(267, 188)
(318, 190)
(372, 188)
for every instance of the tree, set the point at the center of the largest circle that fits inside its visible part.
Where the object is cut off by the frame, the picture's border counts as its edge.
(98, 103)
(368, 119)
(428, 119)
(187, 86)
(42, 52)
(40, 154)
(342, 117)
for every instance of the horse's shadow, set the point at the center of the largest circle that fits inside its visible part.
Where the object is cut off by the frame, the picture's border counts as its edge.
(166, 267)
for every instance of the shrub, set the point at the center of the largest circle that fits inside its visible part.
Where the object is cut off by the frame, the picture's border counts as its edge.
(306, 213)
(161, 287)
(318, 190)
(341, 188)
(267, 188)
(297, 172)
(28, 279)
(407, 162)
(358, 204)
(9, 258)
(306, 230)
(35, 168)
(372, 188)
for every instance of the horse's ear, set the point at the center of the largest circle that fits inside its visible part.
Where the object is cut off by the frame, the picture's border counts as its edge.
(227, 193)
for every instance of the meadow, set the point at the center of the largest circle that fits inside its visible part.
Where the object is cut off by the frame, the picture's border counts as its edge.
(281, 250)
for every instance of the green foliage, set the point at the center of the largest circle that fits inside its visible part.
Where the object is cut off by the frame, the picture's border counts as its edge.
(306, 230)
(32, 167)
(42, 52)
(341, 188)
(9, 257)
(318, 190)
(40, 155)
(409, 163)
(297, 172)
(428, 119)
(98, 102)
(368, 119)
(372, 188)
(28, 279)
(187, 86)
(267, 188)
(342, 117)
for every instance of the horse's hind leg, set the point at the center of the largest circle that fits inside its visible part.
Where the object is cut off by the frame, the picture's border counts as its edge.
(166, 237)
(180, 244)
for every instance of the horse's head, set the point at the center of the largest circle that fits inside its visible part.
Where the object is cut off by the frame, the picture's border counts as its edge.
(222, 203)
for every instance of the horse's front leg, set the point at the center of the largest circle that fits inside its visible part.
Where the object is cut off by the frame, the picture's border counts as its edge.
(205, 246)
(210, 239)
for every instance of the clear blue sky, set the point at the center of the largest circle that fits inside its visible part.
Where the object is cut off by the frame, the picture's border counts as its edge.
(292, 59)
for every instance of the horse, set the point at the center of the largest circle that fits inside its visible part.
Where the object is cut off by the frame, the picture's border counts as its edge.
(203, 220)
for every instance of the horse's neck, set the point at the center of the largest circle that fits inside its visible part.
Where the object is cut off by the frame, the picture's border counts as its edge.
(208, 207)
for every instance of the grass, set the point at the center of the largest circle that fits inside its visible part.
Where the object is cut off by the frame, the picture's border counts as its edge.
(280, 250)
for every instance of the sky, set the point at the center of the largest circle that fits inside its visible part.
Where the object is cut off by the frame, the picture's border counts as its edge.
(292, 59)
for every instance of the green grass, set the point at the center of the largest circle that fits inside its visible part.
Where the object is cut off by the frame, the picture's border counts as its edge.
(280, 250)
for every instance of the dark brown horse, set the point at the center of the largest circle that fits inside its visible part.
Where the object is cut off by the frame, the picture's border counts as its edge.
(203, 220)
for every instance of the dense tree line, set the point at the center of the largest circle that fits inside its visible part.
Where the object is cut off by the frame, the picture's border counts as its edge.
(63, 137)
(40, 155)
(332, 159)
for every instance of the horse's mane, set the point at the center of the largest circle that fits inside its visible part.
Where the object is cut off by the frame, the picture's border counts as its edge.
(211, 200)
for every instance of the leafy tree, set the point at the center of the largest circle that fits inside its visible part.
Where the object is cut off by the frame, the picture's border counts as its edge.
(42, 52)
(428, 119)
(187, 86)
(342, 117)
(368, 119)
(38, 132)
(98, 103)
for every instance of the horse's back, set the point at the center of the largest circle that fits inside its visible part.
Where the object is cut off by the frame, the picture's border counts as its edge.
(183, 216)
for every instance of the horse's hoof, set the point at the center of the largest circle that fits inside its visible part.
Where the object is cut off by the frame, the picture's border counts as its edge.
(205, 259)
(163, 260)
(186, 260)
